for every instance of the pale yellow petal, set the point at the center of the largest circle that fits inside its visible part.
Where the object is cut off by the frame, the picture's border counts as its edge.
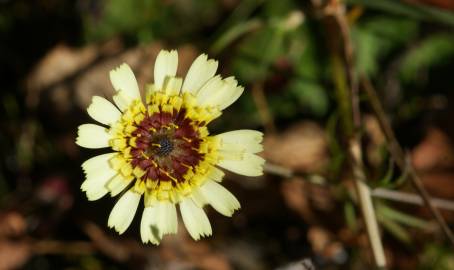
(123, 212)
(117, 184)
(220, 198)
(123, 79)
(167, 220)
(97, 173)
(96, 162)
(92, 136)
(231, 97)
(149, 231)
(195, 219)
(215, 174)
(172, 86)
(219, 93)
(199, 73)
(249, 165)
(210, 88)
(122, 100)
(198, 197)
(243, 139)
(166, 64)
(103, 111)
(94, 185)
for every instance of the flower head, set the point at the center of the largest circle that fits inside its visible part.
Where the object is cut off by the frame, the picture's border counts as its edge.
(162, 148)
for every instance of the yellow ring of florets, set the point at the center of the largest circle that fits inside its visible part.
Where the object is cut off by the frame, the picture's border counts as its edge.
(124, 141)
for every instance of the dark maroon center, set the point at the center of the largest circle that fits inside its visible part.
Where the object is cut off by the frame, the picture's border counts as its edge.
(166, 146)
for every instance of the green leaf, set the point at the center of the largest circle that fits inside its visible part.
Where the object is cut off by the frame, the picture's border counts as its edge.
(310, 95)
(413, 10)
(401, 217)
(394, 228)
(309, 65)
(234, 33)
(350, 216)
(386, 180)
(377, 37)
(336, 150)
(434, 50)
(436, 256)
(257, 53)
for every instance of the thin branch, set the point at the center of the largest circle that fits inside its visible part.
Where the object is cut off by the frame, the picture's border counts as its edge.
(263, 108)
(411, 198)
(61, 247)
(401, 157)
(278, 170)
(367, 207)
(382, 193)
(336, 10)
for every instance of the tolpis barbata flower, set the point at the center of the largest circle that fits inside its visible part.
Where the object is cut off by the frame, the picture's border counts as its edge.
(162, 150)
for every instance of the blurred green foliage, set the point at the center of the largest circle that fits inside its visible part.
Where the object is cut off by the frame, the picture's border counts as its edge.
(436, 49)
(377, 37)
(257, 37)
(436, 257)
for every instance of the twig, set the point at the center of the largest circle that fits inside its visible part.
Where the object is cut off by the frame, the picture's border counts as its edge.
(336, 10)
(110, 247)
(59, 247)
(411, 198)
(365, 202)
(401, 157)
(263, 109)
(382, 193)
(278, 170)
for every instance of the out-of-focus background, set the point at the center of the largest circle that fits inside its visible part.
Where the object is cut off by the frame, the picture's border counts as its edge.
(56, 54)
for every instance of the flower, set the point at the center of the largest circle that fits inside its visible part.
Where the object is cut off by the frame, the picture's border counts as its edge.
(162, 148)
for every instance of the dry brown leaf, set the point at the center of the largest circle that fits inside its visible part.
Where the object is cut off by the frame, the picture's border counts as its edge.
(13, 254)
(66, 75)
(435, 151)
(294, 192)
(303, 147)
(377, 139)
(12, 224)
(215, 261)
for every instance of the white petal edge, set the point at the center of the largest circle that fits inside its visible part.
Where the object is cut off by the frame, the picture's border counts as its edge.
(123, 78)
(123, 212)
(92, 136)
(103, 111)
(148, 230)
(249, 165)
(195, 219)
(220, 198)
(246, 139)
(201, 70)
(166, 64)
